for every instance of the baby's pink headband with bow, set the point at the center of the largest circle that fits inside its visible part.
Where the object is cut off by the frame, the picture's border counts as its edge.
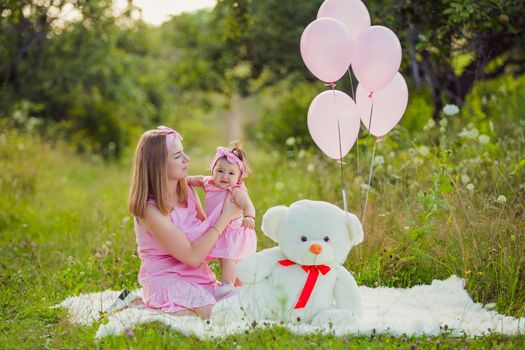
(230, 157)
(170, 135)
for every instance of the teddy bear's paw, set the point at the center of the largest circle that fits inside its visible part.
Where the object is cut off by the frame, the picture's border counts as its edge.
(334, 317)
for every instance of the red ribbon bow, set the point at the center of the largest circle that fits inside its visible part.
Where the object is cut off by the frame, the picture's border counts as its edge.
(313, 273)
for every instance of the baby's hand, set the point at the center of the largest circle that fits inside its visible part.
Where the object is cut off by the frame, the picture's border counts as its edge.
(248, 222)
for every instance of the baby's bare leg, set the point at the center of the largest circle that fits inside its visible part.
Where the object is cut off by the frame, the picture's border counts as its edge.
(229, 271)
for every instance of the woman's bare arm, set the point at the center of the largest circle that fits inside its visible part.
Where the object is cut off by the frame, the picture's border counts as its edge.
(173, 240)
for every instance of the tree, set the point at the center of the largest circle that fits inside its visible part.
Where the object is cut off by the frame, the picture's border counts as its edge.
(97, 77)
(448, 44)
(452, 44)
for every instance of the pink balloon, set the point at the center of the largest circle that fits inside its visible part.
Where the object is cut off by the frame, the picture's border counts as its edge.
(352, 13)
(390, 104)
(326, 49)
(327, 110)
(377, 57)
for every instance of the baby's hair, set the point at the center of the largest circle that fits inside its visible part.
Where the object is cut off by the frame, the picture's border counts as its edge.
(236, 148)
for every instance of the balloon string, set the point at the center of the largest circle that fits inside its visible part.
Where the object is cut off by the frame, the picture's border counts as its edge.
(369, 181)
(345, 204)
(371, 113)
(357, 141)
(351, 83)
(369, 125)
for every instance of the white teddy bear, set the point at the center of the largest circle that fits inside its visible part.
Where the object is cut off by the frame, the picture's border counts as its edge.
(303, 278)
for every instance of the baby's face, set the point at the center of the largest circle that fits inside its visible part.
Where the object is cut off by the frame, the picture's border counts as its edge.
(225, 174)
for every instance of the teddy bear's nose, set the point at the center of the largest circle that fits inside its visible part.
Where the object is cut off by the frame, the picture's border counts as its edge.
(316, 248)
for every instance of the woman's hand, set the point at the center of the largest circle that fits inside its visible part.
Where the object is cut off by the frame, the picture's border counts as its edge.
(230, 210)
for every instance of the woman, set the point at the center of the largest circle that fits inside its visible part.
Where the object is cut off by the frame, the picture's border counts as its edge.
(173, 242)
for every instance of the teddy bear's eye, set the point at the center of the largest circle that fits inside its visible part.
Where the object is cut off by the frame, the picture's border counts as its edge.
(304, 239)
(326, 239)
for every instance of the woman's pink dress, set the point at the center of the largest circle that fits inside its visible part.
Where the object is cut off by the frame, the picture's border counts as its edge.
(169, 284)
(236, 242)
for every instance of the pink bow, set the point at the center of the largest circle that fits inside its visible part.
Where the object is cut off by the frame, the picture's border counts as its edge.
(170, 135)
(230, 157)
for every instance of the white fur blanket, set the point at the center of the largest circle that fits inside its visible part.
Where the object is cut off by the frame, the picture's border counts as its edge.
(424, 309)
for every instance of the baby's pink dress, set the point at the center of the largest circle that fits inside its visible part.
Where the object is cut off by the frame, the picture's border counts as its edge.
(169, 284)
(236, 242)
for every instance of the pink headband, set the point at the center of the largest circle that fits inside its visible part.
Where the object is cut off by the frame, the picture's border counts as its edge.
(170, 135)
(230, 157)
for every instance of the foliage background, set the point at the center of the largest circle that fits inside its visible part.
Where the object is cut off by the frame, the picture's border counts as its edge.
(447, 194)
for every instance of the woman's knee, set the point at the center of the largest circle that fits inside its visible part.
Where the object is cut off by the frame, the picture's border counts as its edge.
(203, 312)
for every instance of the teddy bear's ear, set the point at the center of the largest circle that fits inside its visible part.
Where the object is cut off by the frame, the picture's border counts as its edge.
(355, 230)
(271, 220)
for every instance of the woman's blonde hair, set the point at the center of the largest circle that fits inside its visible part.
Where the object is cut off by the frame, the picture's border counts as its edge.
(150, 175)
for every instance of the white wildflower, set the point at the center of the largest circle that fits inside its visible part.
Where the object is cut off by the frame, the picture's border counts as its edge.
(490, 306)
(465, 179)
(424, 151)
(475, 160)
(290, 141)
(301, 154)
(483, 139)
(379, 160)
(96, 158)
(471, 133)
(430, 124)
(443, 122)
(310, 167)
(442, 130)
(501, 199)
(470, 187)
(451, 110)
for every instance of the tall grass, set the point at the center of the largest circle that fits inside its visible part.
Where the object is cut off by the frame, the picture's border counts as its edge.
(434, 209)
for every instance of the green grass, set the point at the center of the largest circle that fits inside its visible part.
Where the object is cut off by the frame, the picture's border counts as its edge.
(65, 229)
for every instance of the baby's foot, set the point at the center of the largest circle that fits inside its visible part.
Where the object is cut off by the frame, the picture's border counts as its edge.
(226, 289)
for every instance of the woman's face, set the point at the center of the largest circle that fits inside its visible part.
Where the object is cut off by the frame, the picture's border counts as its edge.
(178, 161)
